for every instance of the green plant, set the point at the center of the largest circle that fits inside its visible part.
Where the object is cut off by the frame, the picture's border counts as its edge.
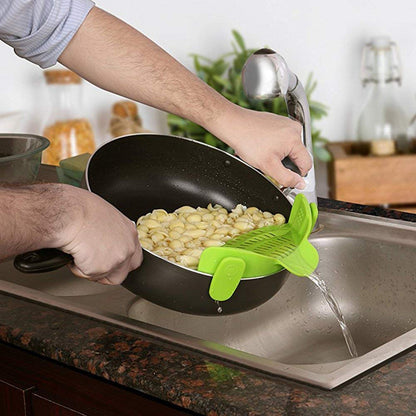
(224, 75)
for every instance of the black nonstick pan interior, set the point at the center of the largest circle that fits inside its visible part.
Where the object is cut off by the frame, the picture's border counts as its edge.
(139, 173)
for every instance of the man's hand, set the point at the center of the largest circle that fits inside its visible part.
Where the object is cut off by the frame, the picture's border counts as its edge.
(263, 140)
(103, 242)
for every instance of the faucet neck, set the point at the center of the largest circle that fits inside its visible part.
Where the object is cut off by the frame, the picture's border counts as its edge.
(298, 109)
(266, 75)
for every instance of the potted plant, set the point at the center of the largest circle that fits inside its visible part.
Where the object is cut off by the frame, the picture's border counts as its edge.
(224, 75)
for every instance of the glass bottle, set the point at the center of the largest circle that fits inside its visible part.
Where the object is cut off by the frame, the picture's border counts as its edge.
(412, 134)
(382, 121)
(67, 128)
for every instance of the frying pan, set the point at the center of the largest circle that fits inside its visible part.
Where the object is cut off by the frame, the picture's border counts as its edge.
(141, 172)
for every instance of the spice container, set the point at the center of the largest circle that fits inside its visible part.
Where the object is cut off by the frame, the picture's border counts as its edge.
(67, 128)
(125, 119)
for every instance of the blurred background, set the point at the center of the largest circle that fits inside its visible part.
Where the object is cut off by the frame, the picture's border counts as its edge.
(325, 38)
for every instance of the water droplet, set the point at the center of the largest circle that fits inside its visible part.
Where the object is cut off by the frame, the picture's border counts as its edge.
(219, 309)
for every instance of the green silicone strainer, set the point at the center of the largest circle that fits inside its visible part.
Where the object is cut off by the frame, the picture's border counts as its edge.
(263, 251)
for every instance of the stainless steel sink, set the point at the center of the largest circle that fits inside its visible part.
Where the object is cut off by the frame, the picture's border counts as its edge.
(369, 264)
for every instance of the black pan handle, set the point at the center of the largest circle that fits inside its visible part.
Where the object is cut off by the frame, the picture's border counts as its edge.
(41, 261)
(287, 163)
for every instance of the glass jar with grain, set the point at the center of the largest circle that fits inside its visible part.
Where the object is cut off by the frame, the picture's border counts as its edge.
(67, 128)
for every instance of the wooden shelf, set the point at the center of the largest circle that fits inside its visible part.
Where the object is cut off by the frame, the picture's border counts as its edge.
(355, 176)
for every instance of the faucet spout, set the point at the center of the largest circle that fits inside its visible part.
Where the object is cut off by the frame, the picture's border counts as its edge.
(265, 76)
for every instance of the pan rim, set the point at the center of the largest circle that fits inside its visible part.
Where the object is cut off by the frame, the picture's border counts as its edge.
(180, 138)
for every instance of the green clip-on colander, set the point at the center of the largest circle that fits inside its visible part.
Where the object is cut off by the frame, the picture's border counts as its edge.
(263, 251)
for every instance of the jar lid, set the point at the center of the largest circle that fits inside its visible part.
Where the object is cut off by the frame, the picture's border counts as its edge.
(61, 76)
(380, 61)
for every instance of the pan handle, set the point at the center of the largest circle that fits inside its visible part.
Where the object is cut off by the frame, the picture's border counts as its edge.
(287, 163)
(41, 261)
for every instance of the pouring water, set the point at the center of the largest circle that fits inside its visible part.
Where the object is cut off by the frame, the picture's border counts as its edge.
(333, 304)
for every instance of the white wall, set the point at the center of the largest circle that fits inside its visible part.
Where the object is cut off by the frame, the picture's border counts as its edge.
(322, 36)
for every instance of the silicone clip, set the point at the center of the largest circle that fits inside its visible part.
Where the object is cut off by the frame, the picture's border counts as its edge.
(226, 278)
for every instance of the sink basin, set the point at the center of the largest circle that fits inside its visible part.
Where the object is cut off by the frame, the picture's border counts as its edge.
(367, 262)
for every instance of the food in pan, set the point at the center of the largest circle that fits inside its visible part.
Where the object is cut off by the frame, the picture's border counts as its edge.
(182, 235)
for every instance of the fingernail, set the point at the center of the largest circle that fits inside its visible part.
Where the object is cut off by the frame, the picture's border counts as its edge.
(300, 185)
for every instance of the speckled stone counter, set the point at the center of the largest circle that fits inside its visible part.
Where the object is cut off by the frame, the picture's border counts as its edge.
(195, 381)
(192, 380)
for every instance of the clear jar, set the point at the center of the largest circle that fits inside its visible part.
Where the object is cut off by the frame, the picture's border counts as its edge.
(125, 119)
(383, 121)
(67, 128)
(412, 134)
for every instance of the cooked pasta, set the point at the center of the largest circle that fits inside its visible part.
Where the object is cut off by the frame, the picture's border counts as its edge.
(182, 235)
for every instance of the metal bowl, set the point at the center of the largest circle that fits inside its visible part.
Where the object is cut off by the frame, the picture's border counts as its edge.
(20, 157)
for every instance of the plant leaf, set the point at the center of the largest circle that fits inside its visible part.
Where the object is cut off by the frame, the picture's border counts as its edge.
(193, 129)
(197, 65)
(219, 67)
(224, 82)
(230, 96)
(211, 140)
(321, 153)
(239, 39)
(204, 58)
(176, 120)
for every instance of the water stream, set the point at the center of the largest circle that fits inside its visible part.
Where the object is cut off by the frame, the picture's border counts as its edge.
(333, 304)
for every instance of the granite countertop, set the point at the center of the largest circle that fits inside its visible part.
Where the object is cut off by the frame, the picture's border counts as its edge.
(195, 381)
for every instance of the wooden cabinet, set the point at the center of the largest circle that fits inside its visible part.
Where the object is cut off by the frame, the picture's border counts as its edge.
(355, 176)
(43, 406)
(34, 386)
(14, 396)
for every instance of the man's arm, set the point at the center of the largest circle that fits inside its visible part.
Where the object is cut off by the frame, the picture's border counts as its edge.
(116, 57)
(30, 218)
(103, 242)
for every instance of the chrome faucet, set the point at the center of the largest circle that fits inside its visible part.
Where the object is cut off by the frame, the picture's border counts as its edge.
(266, 75)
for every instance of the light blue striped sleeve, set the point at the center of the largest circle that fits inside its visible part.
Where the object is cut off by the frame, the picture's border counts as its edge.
(39, 30)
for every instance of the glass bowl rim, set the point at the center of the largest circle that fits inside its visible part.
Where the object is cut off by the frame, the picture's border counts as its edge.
(43, 143)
